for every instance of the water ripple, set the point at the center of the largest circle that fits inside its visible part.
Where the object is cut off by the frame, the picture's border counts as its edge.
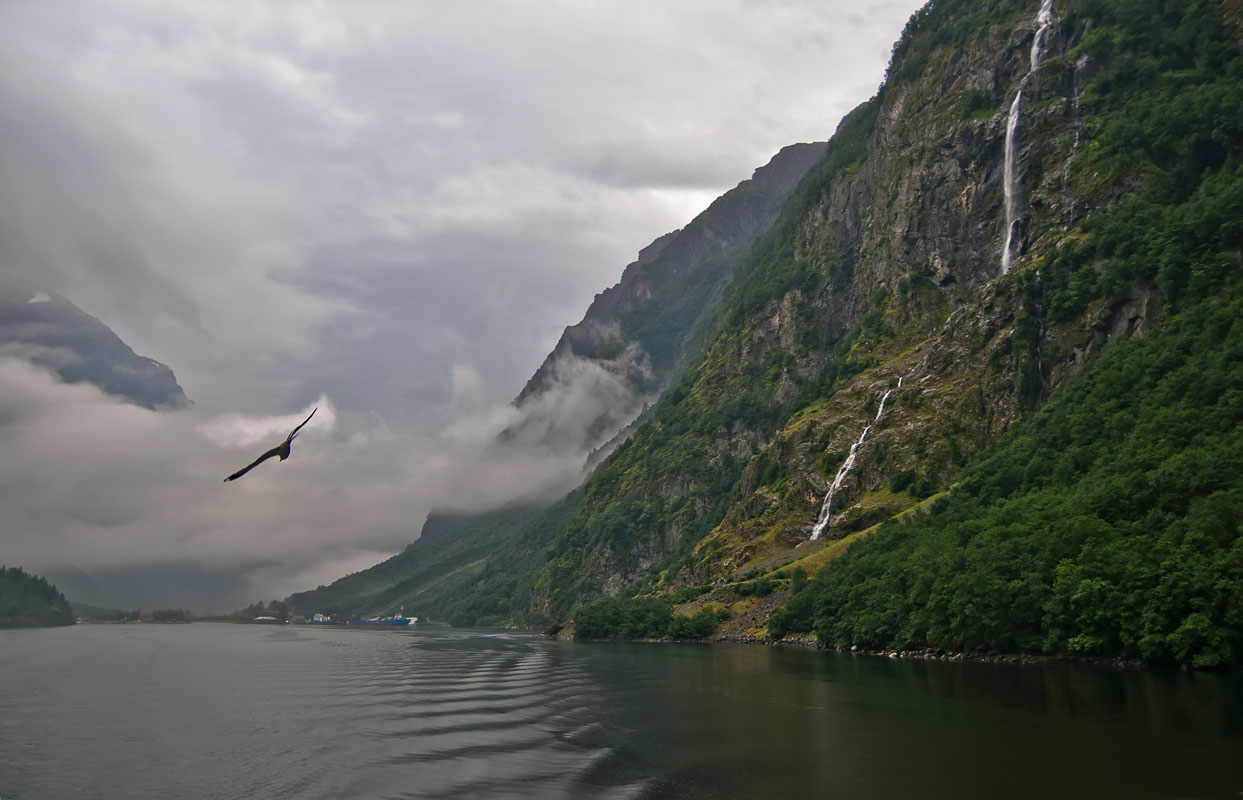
(225, 712)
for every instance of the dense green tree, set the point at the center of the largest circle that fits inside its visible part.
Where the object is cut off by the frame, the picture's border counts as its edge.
(1109, 523)
(29, 601)
(642, 618)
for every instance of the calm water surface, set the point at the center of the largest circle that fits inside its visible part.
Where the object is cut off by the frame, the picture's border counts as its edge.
(224, 711)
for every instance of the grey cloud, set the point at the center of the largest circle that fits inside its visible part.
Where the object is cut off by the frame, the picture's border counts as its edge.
(641, 164)
(109, 487)
(182, 173)
(52, 357)
(143, 225)
(586, 403)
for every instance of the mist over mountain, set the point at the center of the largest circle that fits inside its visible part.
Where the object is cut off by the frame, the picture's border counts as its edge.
(604, 370)
(636, 333)
(49, 330)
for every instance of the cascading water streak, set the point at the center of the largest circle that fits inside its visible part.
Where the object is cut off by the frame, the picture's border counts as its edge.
(1012, 126)
(1044, 20)
(826, 509)
(1077, 125)
(883, 398)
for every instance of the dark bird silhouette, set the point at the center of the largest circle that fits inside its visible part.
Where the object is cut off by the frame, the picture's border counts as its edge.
(281, 450)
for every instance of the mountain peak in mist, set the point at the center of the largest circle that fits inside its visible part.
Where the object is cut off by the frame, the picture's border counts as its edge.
(636, 334)
(48, 330)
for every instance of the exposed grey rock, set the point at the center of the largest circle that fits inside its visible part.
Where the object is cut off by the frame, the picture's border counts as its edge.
(641, 329)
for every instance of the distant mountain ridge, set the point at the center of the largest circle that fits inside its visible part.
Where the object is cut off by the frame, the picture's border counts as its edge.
(604, 370)
(49, 330)
(446, 542)
(640, 330)
(732, 219)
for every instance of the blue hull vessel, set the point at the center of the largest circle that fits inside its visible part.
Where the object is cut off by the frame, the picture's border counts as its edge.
(380, 622)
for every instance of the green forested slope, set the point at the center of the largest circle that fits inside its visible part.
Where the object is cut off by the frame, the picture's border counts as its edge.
(1109, 523)
(447, 543)
(28, 601)
(1105, 520)
(666, 488)
(571, 551)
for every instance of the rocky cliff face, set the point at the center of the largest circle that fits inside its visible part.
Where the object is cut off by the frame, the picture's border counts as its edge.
(634, 335)
(633, 338)
(882, 283)
(890, 271)
(916, 232)
(50, 331)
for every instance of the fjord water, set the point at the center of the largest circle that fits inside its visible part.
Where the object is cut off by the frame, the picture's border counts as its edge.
(224, 711)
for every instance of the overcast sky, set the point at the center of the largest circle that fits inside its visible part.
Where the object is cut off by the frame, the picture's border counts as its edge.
(388, 209)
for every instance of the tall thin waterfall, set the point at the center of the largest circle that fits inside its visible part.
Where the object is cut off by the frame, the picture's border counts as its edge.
(1077, 122)
(826, 510)
(1044, 18)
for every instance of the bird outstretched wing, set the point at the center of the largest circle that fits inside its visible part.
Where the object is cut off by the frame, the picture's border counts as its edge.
(294, 432)
(275, 451)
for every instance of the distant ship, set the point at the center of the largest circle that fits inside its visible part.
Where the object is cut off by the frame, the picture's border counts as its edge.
(399, 620)
(322, 619)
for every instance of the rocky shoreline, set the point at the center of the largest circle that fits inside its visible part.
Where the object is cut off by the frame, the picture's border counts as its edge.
(566, 633)
(1114, 662)
(747, 620)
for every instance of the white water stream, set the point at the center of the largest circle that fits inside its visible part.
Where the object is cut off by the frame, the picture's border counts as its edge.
(826, 509)
(1044, 19)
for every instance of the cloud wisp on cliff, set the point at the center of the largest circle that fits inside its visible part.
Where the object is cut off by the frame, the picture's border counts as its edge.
(91, 483)
(397, 206)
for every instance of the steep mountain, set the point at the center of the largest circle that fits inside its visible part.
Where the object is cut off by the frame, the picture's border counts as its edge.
(880, 340)
(637, 333)
(1107, 523)
(446, 543)
(52, 332)
(1006, 296)
(635, 336)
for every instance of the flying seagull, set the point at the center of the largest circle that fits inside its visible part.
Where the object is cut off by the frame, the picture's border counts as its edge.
(281, 450)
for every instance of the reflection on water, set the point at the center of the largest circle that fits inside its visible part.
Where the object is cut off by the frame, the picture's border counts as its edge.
(221, 711)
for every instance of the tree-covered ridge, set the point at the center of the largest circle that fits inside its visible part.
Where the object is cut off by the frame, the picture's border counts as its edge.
(1158, 217)
(645, 618)
(1109, 523)
(1161, 170)
(495, 586)
(29, 601)
(447, 542)
(667, 487)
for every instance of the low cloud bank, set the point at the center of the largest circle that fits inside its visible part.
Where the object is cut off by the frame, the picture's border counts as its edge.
(92, 484)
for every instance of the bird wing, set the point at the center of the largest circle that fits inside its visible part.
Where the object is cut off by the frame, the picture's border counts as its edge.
(294, 432)
(275, 451)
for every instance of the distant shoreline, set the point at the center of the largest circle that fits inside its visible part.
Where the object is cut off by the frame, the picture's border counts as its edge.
(1016, 659)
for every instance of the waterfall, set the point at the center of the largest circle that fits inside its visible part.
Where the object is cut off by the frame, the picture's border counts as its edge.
(1011, 212)
(1044, 19)
(1077, 123)
(883, 398)
(826, 510)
